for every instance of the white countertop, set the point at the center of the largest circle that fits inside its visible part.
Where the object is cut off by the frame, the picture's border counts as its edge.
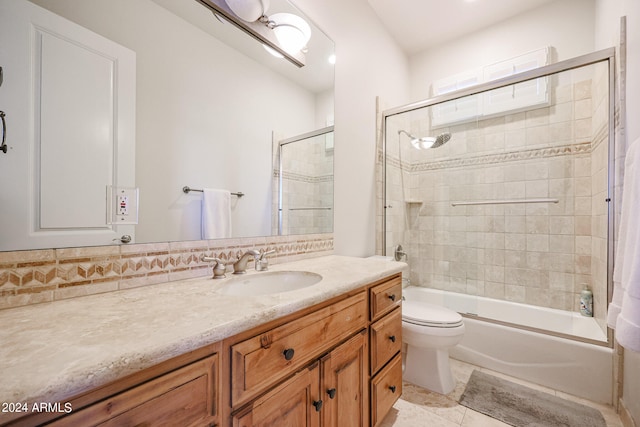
(50, 352)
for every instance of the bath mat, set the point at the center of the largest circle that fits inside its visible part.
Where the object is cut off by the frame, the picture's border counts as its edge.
(522, 406)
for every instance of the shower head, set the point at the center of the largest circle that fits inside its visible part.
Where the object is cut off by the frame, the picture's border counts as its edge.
(441, 139)
(425, 142)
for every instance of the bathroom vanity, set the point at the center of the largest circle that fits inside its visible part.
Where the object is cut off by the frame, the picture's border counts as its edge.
(324, 355)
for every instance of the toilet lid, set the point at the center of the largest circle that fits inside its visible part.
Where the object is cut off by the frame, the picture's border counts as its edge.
(422, 313)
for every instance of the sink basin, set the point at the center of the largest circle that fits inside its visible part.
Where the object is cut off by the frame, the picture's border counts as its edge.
(269, 282)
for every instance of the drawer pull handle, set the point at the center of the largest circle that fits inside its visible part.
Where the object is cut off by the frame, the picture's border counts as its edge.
(392, 388)
(332, 393)
(318, 405)
(288, 354)
(392, 338)
(392, 297)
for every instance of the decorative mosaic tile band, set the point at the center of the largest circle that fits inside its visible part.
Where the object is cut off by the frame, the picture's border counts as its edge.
(562, 150)
(29, 277)
(301, 177)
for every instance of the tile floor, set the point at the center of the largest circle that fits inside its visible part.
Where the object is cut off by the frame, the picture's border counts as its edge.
(419, 407)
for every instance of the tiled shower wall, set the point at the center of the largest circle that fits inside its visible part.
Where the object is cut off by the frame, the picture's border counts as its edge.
(30, 277)
(307, 187)
(538, 254)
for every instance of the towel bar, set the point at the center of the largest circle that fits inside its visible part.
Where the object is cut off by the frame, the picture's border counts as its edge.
(503, 202)
(187, 189)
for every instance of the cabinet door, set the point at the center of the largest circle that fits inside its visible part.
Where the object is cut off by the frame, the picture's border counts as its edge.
(184, 397)
(294, 403)
(344, 384)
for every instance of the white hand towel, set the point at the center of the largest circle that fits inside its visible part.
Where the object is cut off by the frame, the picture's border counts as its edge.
(624, 310)
(216, 214)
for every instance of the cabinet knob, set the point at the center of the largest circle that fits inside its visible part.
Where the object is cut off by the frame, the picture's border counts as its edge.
(318, 405)
(392, 388)
(332, 393)
(392, 297)
(288, 354)
(392, 338)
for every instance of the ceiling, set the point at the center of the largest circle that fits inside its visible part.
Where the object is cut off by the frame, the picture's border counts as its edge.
(418, 25)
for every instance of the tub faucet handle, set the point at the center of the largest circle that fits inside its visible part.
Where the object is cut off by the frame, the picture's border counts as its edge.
(398, 253)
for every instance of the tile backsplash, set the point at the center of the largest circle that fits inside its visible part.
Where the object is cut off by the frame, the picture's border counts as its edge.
(35, 276)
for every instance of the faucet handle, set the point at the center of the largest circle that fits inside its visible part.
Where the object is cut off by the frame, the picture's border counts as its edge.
(219, 269)
(265, 253)
(211, 259)
(262, 263)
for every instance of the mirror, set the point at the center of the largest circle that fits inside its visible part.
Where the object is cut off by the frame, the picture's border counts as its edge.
(210, 104)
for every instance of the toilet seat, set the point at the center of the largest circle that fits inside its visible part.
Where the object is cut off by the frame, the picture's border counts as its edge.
(425, 314)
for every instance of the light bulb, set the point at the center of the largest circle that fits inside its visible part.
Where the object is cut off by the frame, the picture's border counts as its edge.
(248, 10)
(293, 33)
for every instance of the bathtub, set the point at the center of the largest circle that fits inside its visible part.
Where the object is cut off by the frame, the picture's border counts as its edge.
(579, 368)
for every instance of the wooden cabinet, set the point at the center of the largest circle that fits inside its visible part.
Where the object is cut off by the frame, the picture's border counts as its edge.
(344, 384)
(311, 365)
(292, 403)
(185, 397)
(331, 391)
(262, 360)
(339, 365)
(385, 336)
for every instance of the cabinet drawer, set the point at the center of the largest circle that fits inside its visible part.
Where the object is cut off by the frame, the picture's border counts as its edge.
(385, 297)
(262, 360)
(386, 388)
(386, 339)
(183, 397)
(289, 404)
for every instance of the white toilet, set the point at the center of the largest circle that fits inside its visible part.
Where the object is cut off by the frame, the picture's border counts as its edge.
(429, 331)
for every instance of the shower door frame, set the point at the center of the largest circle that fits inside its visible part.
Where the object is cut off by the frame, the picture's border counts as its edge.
(544, 71)
(282, 143)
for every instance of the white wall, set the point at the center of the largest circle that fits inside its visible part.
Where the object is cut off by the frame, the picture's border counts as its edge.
(608, 13)
(369, 64)
(566, 25)
(205, 116)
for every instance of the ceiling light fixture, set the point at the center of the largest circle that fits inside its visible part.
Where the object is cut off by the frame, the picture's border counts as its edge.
(292, 32)
(285, 34)
(249, 10)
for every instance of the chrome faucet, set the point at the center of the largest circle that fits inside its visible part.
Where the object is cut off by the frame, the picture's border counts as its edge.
(219, 269)
(240, 266)
(260, 258)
